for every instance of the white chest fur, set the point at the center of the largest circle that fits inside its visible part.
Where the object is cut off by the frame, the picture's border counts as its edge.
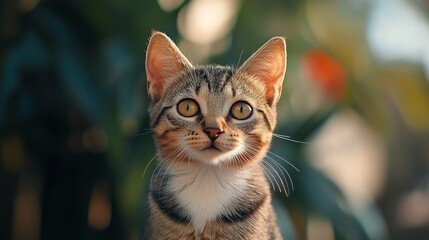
(206, 192)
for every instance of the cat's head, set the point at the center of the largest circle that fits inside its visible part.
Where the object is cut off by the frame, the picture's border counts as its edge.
(213, 114)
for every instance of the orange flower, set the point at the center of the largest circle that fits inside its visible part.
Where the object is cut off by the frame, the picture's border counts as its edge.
(327, 72)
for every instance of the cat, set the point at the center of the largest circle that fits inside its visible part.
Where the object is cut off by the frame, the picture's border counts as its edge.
(212, 126)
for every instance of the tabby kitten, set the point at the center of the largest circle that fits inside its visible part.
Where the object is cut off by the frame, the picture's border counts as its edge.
(213, 127)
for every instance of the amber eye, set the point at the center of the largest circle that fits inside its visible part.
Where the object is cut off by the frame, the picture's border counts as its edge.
(188, 108)
(241, 110)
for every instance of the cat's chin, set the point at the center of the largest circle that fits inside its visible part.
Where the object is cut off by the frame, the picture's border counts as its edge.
(213, 156)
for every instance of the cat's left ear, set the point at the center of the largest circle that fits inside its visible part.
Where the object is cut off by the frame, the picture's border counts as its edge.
(164, 62)
(268, 64)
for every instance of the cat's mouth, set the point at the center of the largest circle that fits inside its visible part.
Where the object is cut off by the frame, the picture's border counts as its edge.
(212, 152)
(211, 155)
(212, 148)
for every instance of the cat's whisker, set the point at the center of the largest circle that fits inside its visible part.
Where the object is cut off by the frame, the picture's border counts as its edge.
(148, 164)
(178, 156)
(269, 161)
(147, 131)
(246, 155)
(284, 160)
(161, 165)
(248, 150)
(235, 160)
(268, 173)
(278, 175)
(237, 65)
(252, 149)
(276, 178)
(191, 154)
(282, 170)
(288, 138)
(156, 172)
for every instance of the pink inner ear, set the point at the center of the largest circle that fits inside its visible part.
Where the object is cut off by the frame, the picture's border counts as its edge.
(163, 62)
(154, 78)
(158, 72)
(269, 65)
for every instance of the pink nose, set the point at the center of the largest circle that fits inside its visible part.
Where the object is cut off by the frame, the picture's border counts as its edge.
(213, 133)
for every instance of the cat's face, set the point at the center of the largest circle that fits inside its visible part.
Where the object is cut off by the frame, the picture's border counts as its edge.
(213, 114)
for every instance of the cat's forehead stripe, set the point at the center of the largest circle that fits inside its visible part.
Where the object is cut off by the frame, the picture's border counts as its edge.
(215, 77)
(202, 74)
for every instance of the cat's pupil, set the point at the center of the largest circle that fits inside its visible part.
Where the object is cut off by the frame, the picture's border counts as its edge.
(241, 108)
(187, 106)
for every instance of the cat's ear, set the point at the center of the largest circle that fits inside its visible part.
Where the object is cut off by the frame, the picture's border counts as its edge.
(164, 62)
(268, 64)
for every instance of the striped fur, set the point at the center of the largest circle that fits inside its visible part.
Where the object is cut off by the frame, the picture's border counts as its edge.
(212, 186)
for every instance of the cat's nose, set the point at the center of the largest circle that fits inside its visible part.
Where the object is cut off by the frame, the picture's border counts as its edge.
(213, 133)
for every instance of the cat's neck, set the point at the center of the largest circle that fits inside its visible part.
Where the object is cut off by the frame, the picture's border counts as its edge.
(206, 192)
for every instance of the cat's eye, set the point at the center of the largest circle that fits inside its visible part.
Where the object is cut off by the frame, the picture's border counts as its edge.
(241, 110)
(188, 107)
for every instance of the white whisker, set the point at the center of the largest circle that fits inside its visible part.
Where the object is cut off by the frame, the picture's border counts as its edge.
(252, 148)
(161, 165)
(286, 161)
(171, 163)
(288, 138)
(283, 169)
(266, 170)
(280, 178)
(148, 164)
(148, 130)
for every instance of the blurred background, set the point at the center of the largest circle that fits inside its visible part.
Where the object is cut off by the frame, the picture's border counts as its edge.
(75, 146)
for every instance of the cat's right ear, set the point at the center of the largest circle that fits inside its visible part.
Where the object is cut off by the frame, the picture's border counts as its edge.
(164, 62)
(268, 65)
